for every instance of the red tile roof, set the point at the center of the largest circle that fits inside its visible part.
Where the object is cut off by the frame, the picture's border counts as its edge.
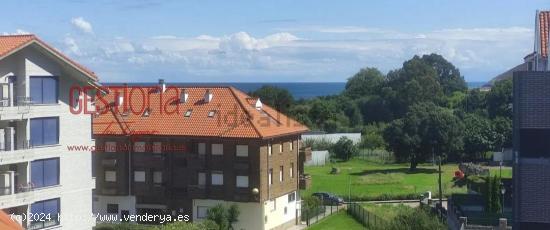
(235, 114)
(12, 43)
(544, 24)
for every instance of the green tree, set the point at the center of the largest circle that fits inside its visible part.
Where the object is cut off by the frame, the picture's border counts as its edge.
(448, 75)
(479, 136)
(499, 99)
(223, 216)
(415, 82)
(503, 129)
(278, 98)
(426, 128)
(344, 148)
(366, 82)
(475, 102)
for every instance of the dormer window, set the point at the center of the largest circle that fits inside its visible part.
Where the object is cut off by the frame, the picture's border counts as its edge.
(188, 113)
(211, 113)
(146, 113)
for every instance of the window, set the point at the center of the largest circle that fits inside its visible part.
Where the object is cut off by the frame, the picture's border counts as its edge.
(291, 197)
(157, 177)
(202, 212)
(242, 150)
(45, 172)
(44, 131)
(269, 149)
(290, 145)
(281, 170)
(43, 90)
(217, 178)
(76, 99)
(281, 147)
(211, 113)
(242, 181)
(202, 148)
(46, 208)
(110, 146)
(110, 176)
(112, 208)
(201, 179)
(139, 147)
(270, 176)
(217, 149)
(146, 112)
(291, 170)
(188, 113)
(285, 210)
(139, 176)
(273, 204)
(157, 147)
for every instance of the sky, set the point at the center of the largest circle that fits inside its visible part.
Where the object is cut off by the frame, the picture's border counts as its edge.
(276, 41)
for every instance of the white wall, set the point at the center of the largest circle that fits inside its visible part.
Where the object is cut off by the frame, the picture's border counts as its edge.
(318, 158)
(333, 137)
(277, 216)
(76, 183)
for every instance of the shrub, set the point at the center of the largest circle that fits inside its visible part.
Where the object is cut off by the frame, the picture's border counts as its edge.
(409, 218)
(471, 169)
(318, 144)
(345, 149)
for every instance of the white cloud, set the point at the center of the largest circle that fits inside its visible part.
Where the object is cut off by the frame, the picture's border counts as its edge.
(289, 57)
(82, 25)
(17, 32)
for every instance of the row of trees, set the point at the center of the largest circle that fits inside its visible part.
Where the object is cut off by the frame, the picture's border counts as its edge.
(422, 108)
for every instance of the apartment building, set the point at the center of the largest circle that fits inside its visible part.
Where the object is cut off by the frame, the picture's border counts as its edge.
(38, 175)
(531, 131)
(538, 59)
(181, 150)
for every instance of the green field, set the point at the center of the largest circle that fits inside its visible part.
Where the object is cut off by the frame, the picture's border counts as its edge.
(385, 211)
(375, 181)
(339, 220)
(506, 171)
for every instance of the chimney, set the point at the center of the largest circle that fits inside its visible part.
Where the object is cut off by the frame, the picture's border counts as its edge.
(162, 85)
(183, 96)
(208, 96)
(120, 100)
(258, 104)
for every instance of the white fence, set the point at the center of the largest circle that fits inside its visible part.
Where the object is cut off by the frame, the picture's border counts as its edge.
(318, 158)
(333, 137)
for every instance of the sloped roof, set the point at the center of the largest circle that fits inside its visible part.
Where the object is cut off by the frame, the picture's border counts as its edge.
(10, 44)
(544, 25)
(235, 114)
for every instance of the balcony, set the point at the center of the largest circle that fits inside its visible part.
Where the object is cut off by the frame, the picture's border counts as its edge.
(15, 109)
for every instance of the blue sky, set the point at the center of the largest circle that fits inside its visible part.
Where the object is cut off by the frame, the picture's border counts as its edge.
(281, 41)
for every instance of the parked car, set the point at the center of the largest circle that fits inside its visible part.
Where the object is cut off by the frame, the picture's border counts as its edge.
(328, 198)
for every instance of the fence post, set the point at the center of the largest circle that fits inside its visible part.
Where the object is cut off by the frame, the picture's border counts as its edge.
(502, 224)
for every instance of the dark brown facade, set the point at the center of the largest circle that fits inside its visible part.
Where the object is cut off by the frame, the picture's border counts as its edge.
(180, 164)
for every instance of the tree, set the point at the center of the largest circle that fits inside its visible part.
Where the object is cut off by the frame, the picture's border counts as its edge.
(345, 149)
(415, 82)
(279, 98)
(366, 82)
(479, 135)
(475, 102)
(448, 75)
(503, 129)
(223, 216)
(425, 129)
(499, 99)
(492, 194)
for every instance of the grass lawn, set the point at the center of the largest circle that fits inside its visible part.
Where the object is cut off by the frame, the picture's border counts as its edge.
(372, 181)
(340, 220)
(385, 211)
(506, 171)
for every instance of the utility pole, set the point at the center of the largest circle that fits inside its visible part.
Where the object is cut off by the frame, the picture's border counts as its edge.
(440, 195)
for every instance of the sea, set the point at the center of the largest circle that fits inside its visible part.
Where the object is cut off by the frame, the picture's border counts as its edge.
(299, 90)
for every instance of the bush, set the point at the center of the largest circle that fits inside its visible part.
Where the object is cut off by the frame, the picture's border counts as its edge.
(318, 144)
(409, 218)
(471, 169)
(311, 206)
(345, 149)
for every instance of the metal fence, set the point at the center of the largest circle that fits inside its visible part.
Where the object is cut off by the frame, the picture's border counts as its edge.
(314, 215)
(365, 217)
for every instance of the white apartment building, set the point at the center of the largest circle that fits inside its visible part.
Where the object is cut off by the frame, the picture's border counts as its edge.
(49, 186)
